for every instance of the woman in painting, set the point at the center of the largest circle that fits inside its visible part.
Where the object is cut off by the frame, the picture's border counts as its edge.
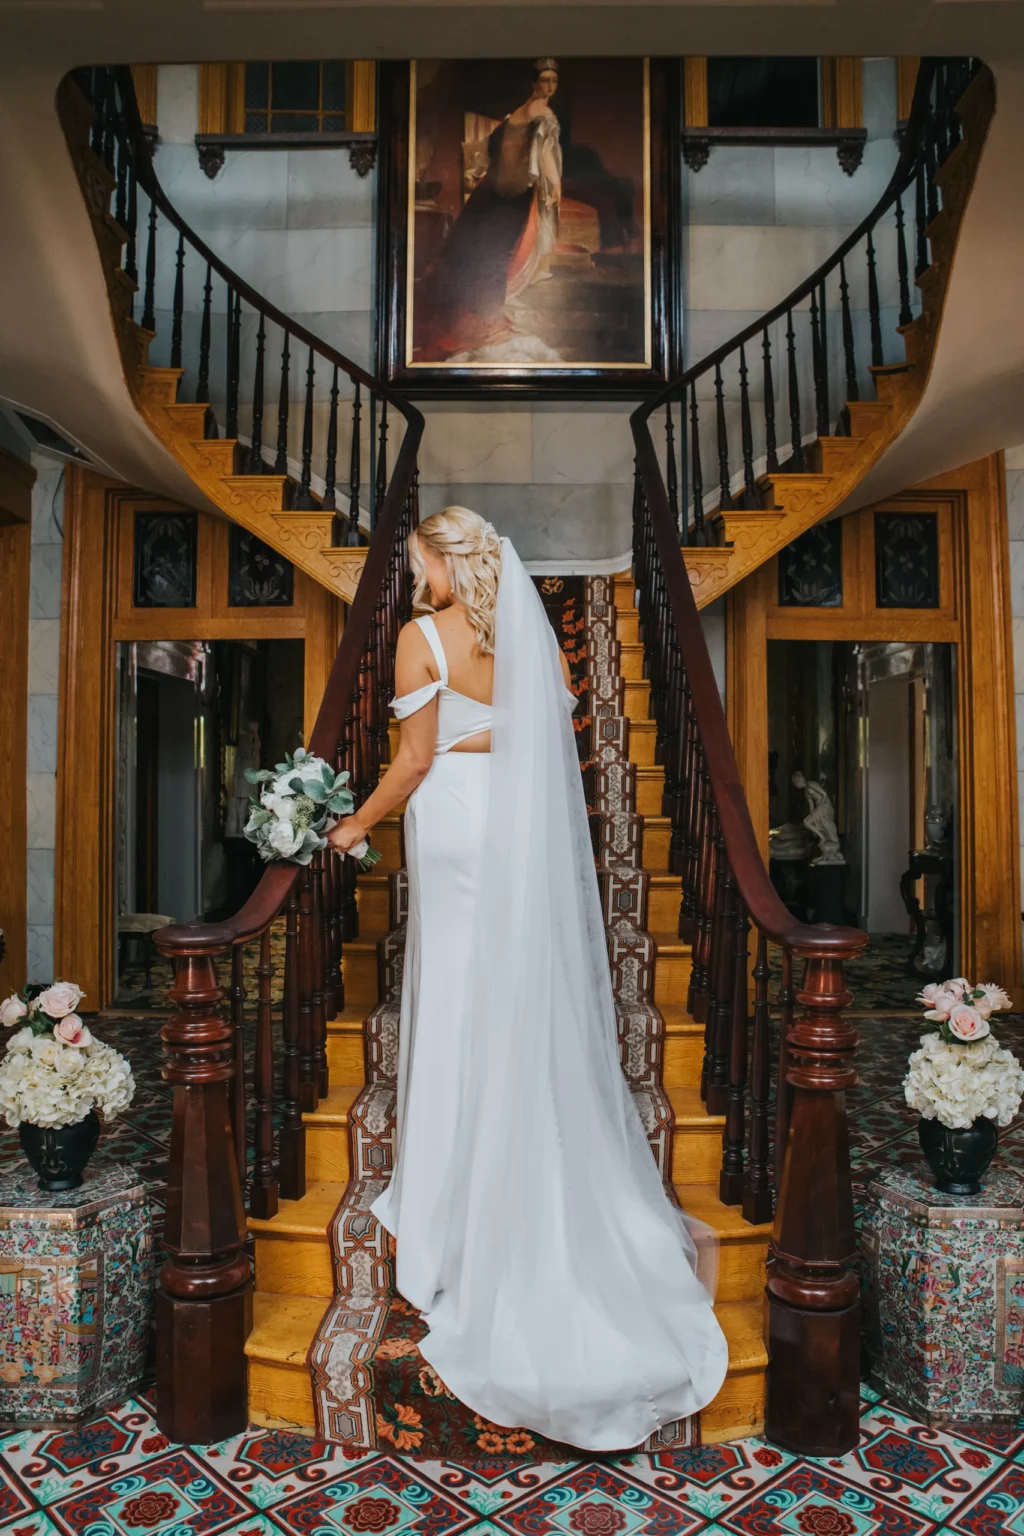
(503, 238)
(534, 1232)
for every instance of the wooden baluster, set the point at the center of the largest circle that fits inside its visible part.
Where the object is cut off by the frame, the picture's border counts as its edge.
(751, 497)
(694, 781)
(308, 1086)
(327, 871)
(671, 481)
(771, 449)
(730, 1189)
(757, 1189)
(95, 94)
(720, 976)
(903, 266)
(304, 501)
(849, 356)
(330, 501)
(238, 1124)
(293, 1130)
(148, 321)
(826, 387)
(820, 403)
(178, 303)
(203, 374)
(696, 475)
(263, 1193)
(700, 976)
(813, 1331)
(281, 458)
(782, 1095)
(382, 456)
(874, 310)
(319, 964)
(920, 218)
(254, 462)
(109, 111)
(675, 806)
(203, 1294)
(353, 538)
(121, 186)
(931, 165)
(350, 907)
(234, 364)
(796, 432)
(131, 263)
(722, 431)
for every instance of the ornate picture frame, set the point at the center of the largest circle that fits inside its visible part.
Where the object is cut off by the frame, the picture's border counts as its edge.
(528, 227)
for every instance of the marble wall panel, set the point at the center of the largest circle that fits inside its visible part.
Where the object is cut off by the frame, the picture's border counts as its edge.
(471, 447)
(547, 522)
(249, 193)
(44, 581)
(40, 952)
(43, 655)
(45, 575)
(324, 192)
(40, 886)
(177, 103)
(42, 810)
(42, 733)
(582, 447)
(737, 186)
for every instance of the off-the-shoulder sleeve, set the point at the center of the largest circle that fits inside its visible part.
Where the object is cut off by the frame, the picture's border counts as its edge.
(409, 703)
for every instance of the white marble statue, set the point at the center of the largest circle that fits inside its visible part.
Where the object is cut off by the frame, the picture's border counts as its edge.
(820, 820)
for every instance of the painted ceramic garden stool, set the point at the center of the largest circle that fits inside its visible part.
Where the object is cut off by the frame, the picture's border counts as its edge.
(76, 1288)
(944, 1296)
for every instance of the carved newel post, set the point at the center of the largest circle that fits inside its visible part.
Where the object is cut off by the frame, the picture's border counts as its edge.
(813, 1292)
(203, 1304)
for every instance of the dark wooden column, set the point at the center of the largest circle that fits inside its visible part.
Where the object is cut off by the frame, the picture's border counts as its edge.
(204, 1295)
(813, 1292)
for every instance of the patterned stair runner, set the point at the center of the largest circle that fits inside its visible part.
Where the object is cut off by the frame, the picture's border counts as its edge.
(371, 1386)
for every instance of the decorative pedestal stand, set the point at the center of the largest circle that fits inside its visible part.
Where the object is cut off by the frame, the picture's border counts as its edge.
(76, 1293)
(944, 1296)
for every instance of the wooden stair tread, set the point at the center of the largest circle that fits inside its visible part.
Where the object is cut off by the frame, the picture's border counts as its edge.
(366, 942)
(677, 1020)
(670, 944)
(701, 1202)
(741, 1322)
(352, 1016)
(689, 1109)
(334, 1109)
(308, 1217)
(283, 1327)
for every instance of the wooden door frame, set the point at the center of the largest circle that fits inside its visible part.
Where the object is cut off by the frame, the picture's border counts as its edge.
(97, 613)
(974, 613)
(16, 481)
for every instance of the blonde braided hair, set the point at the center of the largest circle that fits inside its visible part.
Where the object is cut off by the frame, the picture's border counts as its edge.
(471, 551)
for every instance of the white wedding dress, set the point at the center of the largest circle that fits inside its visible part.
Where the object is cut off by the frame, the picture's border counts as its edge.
(533, 1230)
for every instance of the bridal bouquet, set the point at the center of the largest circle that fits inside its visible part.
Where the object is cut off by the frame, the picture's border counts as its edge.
(55, 1071)
(298, 803)
(961, 1073)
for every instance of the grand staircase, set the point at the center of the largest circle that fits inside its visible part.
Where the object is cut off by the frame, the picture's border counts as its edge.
(313, 1350)
(294, 1159)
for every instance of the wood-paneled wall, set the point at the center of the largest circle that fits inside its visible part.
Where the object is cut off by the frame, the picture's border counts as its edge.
(974, 615)
(99, 612)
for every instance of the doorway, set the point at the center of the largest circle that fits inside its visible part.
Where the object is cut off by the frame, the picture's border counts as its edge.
(193, 716)
(863, 802)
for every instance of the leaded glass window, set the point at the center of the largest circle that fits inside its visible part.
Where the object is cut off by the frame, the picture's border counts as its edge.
(165, 560)
(906, 560)
(296, 97)
(763, 92)
(258, 577)
(811, 568)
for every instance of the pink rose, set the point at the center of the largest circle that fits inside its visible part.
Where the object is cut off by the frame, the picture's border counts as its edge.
(967, 1023)
(958, 986)
(63, 997)
(940, 1002)
(11, 1010)
(71, 1031)
(993, 1000)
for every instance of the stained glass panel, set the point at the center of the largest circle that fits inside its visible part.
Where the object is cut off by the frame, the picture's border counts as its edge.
(165, 560)
(906, 560)
(811, 569)
(258, 577)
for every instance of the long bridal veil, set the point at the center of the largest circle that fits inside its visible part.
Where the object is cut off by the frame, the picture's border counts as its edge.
(568, 1299)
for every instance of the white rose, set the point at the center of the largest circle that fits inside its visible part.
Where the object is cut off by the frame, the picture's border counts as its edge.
(60, 999)
(11, 1010)
(284, 838)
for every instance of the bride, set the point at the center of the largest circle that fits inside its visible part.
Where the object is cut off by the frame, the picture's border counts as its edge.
(533, 1230)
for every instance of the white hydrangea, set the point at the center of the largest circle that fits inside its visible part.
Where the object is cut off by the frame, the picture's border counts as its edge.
(48, 1084)
(957, 1083)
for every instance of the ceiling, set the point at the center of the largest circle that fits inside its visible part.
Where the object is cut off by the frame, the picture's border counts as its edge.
(59, 34)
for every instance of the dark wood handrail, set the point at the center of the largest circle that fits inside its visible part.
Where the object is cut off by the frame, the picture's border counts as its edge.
(899, 181)
(150, 183)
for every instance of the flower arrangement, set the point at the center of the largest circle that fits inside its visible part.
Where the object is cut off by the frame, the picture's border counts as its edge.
(961, 1074)
(299, 801)
(55, 1071)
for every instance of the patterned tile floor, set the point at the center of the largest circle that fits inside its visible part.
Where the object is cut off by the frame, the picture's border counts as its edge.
(118, 1476)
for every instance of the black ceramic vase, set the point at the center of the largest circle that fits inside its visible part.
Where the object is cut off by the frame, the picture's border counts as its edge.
(959, 1159)
(59, 1157)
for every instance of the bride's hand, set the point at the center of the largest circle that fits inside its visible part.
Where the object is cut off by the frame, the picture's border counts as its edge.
(346, 834)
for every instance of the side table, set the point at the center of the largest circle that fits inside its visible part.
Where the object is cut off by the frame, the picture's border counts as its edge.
(944, 1296)
(76, 1293)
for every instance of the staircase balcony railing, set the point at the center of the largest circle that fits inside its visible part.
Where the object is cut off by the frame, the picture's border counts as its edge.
(225, 1128)
(813, 1317)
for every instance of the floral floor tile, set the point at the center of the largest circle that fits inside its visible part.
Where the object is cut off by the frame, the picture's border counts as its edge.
(998, 1510)
(487, 1486)
(384, 1495)
(174, 1493)
(51, 1464)
(713, 1478)
(931, 1472)
(807, 1501)
(597, 1500)
(267, 1466)
(34, 1523)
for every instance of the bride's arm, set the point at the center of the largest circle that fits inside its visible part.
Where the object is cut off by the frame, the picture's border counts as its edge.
(415, 748)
